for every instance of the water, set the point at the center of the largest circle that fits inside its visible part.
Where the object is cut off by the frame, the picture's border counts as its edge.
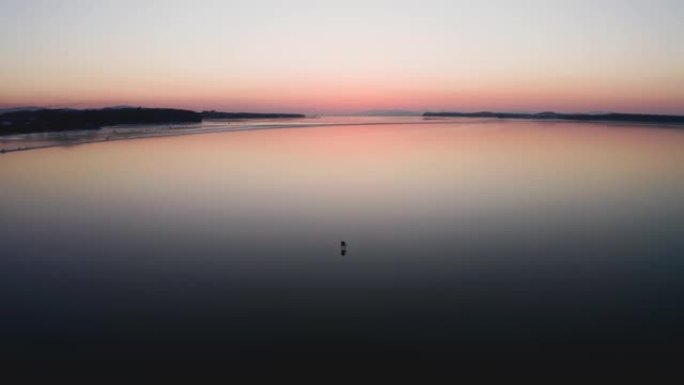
(464, 238)
(39, 140)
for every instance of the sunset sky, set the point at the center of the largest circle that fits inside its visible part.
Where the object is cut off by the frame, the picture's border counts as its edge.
(345, 56)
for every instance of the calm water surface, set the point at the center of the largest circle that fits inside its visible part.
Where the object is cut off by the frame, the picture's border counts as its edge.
(465, 237)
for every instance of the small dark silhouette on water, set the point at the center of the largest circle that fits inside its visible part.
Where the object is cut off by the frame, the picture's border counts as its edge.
(343, 248)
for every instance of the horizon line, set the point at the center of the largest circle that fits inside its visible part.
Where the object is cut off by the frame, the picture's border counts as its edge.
(308, 112)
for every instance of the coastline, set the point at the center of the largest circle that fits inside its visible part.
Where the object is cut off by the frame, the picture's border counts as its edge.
(424, 120)
(550, 115)
(194, 131)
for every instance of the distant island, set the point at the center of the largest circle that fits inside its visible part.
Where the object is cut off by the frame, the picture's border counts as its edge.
(247, 115)
(48, 120)
(35, 119)
(606, 117)
(389, 113)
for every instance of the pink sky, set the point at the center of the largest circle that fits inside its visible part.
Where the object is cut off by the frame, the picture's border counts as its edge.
(341, 57)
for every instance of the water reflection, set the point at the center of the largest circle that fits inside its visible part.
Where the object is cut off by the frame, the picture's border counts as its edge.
(469, 238)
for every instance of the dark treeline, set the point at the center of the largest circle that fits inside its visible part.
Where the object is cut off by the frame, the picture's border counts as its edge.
(50, 120)
(247, 115)
(609, 117)
(66, 119)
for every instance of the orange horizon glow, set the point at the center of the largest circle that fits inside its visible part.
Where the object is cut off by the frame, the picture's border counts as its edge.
(346, 57)
(359, 99)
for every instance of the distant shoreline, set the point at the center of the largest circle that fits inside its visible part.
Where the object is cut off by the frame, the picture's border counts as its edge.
(279, 125)
(607, 117)
(172, 133)
(43, 120)
(37, 120)
(249, 115)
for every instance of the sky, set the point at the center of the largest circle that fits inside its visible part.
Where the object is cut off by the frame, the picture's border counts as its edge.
(345, 56)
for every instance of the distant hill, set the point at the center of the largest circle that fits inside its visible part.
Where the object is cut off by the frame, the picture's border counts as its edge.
(46, 120)
(247, 115)
(389, 113)
(608, 117)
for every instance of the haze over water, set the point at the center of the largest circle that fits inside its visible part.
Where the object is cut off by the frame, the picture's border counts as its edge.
(464, 237)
